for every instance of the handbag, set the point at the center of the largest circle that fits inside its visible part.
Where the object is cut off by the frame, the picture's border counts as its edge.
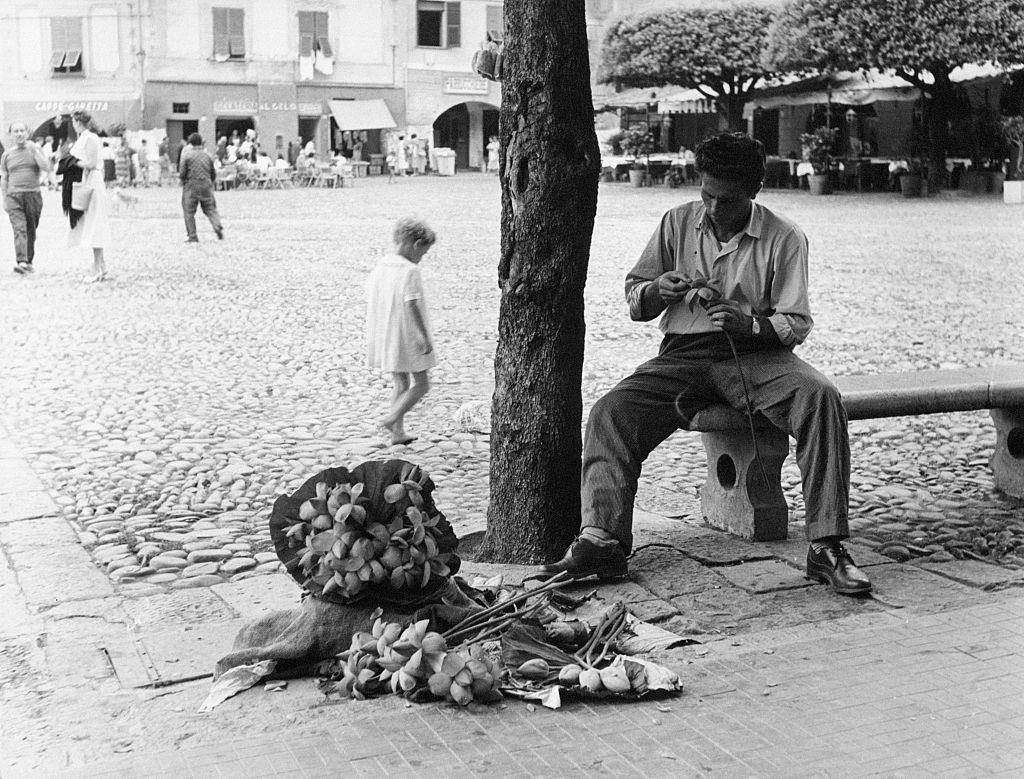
(81, 194)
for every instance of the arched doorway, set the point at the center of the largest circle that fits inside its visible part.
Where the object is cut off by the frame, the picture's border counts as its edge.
(466, 127)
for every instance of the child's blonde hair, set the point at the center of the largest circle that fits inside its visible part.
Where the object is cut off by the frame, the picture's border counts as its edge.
(412, 230)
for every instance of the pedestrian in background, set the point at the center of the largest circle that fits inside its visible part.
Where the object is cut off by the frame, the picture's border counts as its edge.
(197, 174)
(398, 339)
(493, 151)
(143, 157)
(22, 167)
(90, 225)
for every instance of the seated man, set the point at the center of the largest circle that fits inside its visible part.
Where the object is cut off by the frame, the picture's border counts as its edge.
(749, 266)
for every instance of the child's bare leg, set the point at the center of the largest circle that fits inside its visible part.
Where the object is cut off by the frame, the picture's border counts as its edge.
(403, 402)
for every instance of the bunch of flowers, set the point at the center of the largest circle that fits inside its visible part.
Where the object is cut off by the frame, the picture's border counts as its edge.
(406, 659)
(353, 543)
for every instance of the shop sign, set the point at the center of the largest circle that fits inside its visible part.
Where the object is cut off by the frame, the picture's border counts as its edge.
(310, 109)
(462, 85)
(70, 106)
(261, 107)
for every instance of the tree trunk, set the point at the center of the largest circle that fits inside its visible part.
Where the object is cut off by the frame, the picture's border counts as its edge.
(938, 110)
(549, 169)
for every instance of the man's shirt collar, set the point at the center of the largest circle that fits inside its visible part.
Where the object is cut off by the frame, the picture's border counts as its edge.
(752, 228)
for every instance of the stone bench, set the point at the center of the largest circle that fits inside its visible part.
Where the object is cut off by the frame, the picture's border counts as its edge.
(735, 498)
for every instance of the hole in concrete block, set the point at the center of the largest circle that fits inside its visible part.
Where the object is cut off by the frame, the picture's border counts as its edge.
(1015, 443)
(726, 471)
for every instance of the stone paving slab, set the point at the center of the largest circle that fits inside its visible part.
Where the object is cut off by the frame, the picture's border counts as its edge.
(765, 576)
(52, 567)
(26, 504)
(976, 573)
(17, 476)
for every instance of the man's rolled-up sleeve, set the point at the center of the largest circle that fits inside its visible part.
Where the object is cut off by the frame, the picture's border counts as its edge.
(656, 259)
(791, 319)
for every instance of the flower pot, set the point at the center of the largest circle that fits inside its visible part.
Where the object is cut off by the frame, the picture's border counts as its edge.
(1013, 191)
(974, 181)
(819, 184)
(637, 177)
(912, 185)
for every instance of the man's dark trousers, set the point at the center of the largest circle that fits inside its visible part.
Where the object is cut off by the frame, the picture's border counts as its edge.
(193, 196)
(24, 210)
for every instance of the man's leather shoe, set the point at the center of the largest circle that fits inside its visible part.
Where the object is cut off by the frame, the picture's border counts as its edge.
(833, 565)
(584, 558)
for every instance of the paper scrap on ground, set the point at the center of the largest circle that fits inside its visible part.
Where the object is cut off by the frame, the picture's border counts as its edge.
(234, 680)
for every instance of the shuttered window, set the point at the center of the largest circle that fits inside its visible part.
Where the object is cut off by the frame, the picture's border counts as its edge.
(228, 34)
(438, 24)
(66, 44)
(453, 25)
(314, 34)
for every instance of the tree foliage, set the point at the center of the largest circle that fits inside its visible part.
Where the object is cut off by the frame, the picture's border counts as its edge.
(715, 50)
(921, 41)
(917, 39)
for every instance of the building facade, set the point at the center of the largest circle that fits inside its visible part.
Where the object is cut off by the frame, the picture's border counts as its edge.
(60, 56)
(341, 73)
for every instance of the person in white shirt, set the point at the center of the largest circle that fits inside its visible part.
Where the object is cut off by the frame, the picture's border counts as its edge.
(398, 335)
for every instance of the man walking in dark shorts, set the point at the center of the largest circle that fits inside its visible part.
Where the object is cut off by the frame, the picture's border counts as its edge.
(723, 272)
(197, 174)
(21, 168)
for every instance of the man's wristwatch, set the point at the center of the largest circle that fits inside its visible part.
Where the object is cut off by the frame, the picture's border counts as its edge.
(755, 326)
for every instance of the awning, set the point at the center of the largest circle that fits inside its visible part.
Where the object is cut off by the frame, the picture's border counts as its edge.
(689, 101)
(362, 115)
(105, 111)
(636, 98)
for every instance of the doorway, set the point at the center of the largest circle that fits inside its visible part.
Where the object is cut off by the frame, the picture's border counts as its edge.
(179, 130)
(490, 125)
(308, 126)
(451, 131)
(225, 126)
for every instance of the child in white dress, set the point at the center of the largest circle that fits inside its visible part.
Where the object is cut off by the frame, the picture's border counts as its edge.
(398, 338)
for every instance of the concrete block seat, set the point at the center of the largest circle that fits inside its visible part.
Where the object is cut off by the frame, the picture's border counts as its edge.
(735, 496)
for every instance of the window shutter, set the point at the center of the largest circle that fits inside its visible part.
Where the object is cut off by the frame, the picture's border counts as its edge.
(72, 59)
(453, 21)
(322, 33)
(236, 32)
(58, 41)
(307, 33)
(73, 30)
(220, 34)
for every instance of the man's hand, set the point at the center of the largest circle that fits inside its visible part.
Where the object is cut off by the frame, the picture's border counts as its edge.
(727, 315)
(673, 286)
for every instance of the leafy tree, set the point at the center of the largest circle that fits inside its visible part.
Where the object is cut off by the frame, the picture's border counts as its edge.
(921, 41)
(714, 50)
(550, 163)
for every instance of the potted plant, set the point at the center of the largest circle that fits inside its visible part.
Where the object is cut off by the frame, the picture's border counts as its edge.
(1012, 128)
(913, 182)
(818, 151)
(675, 177)
(637, 143)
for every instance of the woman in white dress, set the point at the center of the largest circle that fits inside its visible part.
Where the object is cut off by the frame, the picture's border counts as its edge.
(92, 227)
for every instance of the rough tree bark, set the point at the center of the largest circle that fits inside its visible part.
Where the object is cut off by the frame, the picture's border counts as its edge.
(549, 170)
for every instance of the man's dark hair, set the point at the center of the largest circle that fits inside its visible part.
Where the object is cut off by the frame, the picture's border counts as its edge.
(733, 157)
(195, 139)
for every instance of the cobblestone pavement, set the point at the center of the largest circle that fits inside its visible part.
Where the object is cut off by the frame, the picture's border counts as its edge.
(167, 407)
(148, 423)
